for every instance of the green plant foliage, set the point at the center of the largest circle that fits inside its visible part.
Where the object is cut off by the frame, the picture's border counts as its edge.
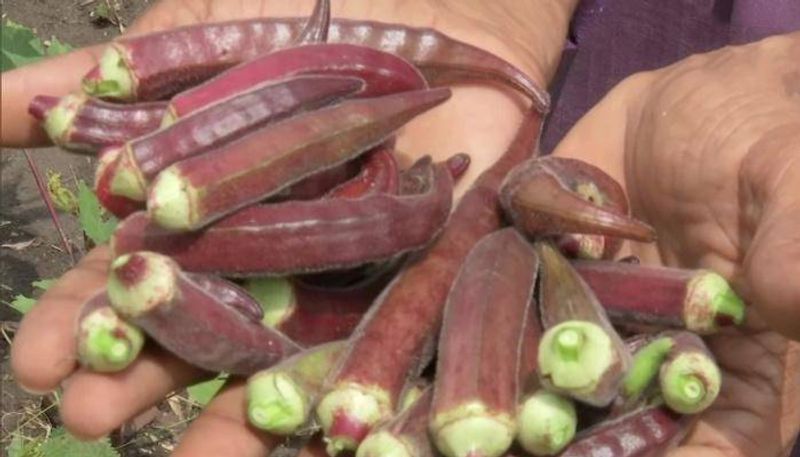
(23, 447)
(21, 46)
(24, 304)
(94, 220)
(202, 393)
(62, 444)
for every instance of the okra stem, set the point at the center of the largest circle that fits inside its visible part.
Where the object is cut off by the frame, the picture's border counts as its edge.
(106, 343)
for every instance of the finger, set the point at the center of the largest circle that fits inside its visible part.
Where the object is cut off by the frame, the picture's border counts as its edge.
(94, 404)
(44, 349)
(222, 429)
(54, 76)
(771, 178)
(696, 451)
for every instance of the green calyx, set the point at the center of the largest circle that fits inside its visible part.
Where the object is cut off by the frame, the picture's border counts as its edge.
(711, 303)
(155, 283)
(574, 357)
(107, 343)
(58, 121)
(645, 367)
(547, 423)
(383, 444)
(276, 403)
(172, 201)
(276, 297)
(128, 180)
(690, 383)
(169, 117)
(113, 80)
(472, 429)
(360, 404)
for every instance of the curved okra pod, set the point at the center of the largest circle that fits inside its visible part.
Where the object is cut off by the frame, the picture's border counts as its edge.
(106, 343)
(391, 343)
(280, 398)
(378, 174)
(151, 291)
(478, 360)
(302, 236)
(134, 68)
(197, 191)
(142, 159)
(698, 300)
(382, 73)
(84, 124)
(580, 355)
(404, 435)
(554, 196)
(317, 25)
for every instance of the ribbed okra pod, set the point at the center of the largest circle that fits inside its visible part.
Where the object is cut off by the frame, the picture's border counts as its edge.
(391, 343)
(302, 236)
(478, 360)
(85, 124)
(134, 68)
(698, 300)
(189, 320)
(106, 343)
(197, 191)
(226, 121)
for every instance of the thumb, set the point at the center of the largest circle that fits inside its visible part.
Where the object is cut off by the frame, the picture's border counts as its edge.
(770, 190)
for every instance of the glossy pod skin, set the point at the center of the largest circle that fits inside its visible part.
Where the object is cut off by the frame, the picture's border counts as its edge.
(197, 191)
(390, 344)
(228, 120)
(302, 236)
(85, 124)
(382, 73)
(151, 291)
(480, 343)
(197, 54)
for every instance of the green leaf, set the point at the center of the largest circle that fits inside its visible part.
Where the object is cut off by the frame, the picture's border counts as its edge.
(23, 304)
(23, 447)
(93, 219)
(57, 47)
(44, 284)
(202, 393)
(62, 444)
(20, 46)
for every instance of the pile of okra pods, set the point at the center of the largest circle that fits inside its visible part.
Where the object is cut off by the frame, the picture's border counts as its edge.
(268, 232)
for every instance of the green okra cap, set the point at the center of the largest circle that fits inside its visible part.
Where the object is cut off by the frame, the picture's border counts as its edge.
(107, 343)
(711, 303)
(113, 78)
(690, 382)
(276, 403)
(546, 422)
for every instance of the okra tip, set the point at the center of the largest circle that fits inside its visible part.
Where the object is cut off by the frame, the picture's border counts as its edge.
(172, 201)
(276, 297)
(471, 430)
(547, 423)
(690, 383)
(347, 415)
(575, 357)
(711, 303)
(139, 282)
(383, 444)
(107, 343)
(111, 78)
(276, 403)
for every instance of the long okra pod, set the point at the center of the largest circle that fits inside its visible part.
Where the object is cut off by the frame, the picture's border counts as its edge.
(382, 73)
(580, 355)
(142, 159)
(302, 236)
(135, 67)
(106, 343)
(199, 190)
(404, 435)
(478, 360)
(84, 124)
(389, 346)
(182, 316)
(280, 398)
(698, 300)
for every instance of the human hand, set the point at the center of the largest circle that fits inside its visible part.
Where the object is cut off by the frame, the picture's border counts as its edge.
(709, 152)
(477, 120)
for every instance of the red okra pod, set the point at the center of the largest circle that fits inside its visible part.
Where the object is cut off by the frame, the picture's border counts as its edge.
(106, 343)
(224, 122)
(633, 435)
(151, 291)
(117, 205)
(390, 344)
(317, 25)
(698, 300)
(197, 191)
(580, 354)
(544, 196)
(382, 73)
(404, 435)
(378, 174)
(136, 67)
(280, 398)
(302, 236)
(84, 124)
(478, 360)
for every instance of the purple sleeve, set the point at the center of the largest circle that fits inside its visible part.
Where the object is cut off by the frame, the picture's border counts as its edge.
(611, 39)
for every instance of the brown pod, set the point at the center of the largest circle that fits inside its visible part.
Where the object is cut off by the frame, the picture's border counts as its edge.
(302, 236)
(183, 317)
(202, 189)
